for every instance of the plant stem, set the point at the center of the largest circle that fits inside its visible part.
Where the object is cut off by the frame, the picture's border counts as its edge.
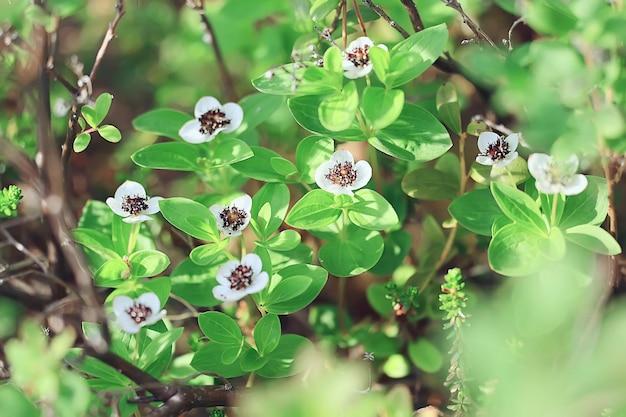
(341, 304)
(555, 201)
(132, 239)
(375, 169)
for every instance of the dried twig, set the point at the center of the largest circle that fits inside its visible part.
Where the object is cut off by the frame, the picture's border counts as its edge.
(480, 34)
(380, 12)
(108, 37)
(414, 16)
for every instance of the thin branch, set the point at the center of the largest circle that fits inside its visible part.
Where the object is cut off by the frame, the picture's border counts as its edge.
(359, 18)
(414, 16)
(212, 40)
(517, 22)
(333, 25)
(380, 12)
(108, 37)
(480, 34)
(344, 23)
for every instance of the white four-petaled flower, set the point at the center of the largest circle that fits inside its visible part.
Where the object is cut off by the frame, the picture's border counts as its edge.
(232, 219)
(132, 315)
(341, 175)
(356, 61)
(237, 279)
(497, 150)
(132, 203)
(556, 176)
(211, 118)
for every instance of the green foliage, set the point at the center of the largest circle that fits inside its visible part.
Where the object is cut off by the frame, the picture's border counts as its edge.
(9, 200)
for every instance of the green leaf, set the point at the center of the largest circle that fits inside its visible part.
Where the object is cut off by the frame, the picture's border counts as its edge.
(169, 155)
(276, 195)
(448, 107)
(548, 204)
(317, 277)
(286, 289)
(519, 207)
(209, 359)
(336, 112)
(550, 17)
(112, 273)
(516, 250)
(322, 8)
(162, 122)
(148, 263)
(430, 184)
(157, 355)
(110, 133)
(259, 165)
(416, 135)
(227, 152)
(377, 298)
(81, 142)
(310, 153)
(284, 167)
(514, 173)
(267, 334)
(381, 107)
(380, 62)
(191, 217)
(414, 55)
(314, 210)
(333, 61)
(371, 211)
(593, 238)
(305, 110)
(96, 114)
(251, 361)
(476, 211)
(352, 254)
(425, 355)
(281, 360)
(88, 365)
(96, 241)
(194, 283)
(207, 254)
(65, 8)
(284, 241)
(397, 246)
(588, 207)
(257, 108)
(220, 328)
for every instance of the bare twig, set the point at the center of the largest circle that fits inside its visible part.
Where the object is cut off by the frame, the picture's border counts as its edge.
(414, 16)
(359, 18)
(212, 40)
(333, 25)
(517, 22)
(380, 12)
(108, 37)
(480, 34)
(344, 23)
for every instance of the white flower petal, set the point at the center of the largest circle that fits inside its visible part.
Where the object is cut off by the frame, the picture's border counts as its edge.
(205, 104)
(485, 139)
(224, 293)
(128, 324)
(484, 160)
(341, 156)
(154, 318)
(259, 282)
(234, 112)
(358, 72)
(364, 174)
(577, 185)
(150, 300)
(136, 219)
(513, 141)
(507, 160)
(360, 43)
(225, 271)
(190, 132)
(253, 261)
(116, 206)
(130, 188)
(538, 164)
(243, 202)
(547, 187)
(382, 46)
(121, 303)
(153, 205)
(320, 174)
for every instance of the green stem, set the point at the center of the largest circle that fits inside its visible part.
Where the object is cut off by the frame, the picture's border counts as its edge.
(306, 186)
(341, 304)
(344, 227)
(242, 242)
(250, 381)
(132, 240)
(555, 201)
(373, 157)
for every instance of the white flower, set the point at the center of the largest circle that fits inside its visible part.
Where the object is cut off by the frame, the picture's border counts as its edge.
(232, 219)
(237, 279)
(211, 119)
(131, 200)
(341, 175)
(356, 60)
(497, 150)
(556, 176)
(132, 315)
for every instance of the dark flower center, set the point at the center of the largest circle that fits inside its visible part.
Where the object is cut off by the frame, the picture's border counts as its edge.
(359, 56)
(233, 217)
(241, 277)
(498, 150)
(139, 313)
(342, 174)
(212, 120)
(134, 204)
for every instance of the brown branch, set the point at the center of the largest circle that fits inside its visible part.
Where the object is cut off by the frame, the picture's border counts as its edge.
(414, 16)
(380, 12)
(212, 40)
(480, 34)
(359, 18)
(108, 37)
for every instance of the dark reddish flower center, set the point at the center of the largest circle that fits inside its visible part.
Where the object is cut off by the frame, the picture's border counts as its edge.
(497, 150)
(134, 204)
(241, 277)
(139, 313)
(342, 174)
(359, 56)
(233, 217)
(212, 120)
